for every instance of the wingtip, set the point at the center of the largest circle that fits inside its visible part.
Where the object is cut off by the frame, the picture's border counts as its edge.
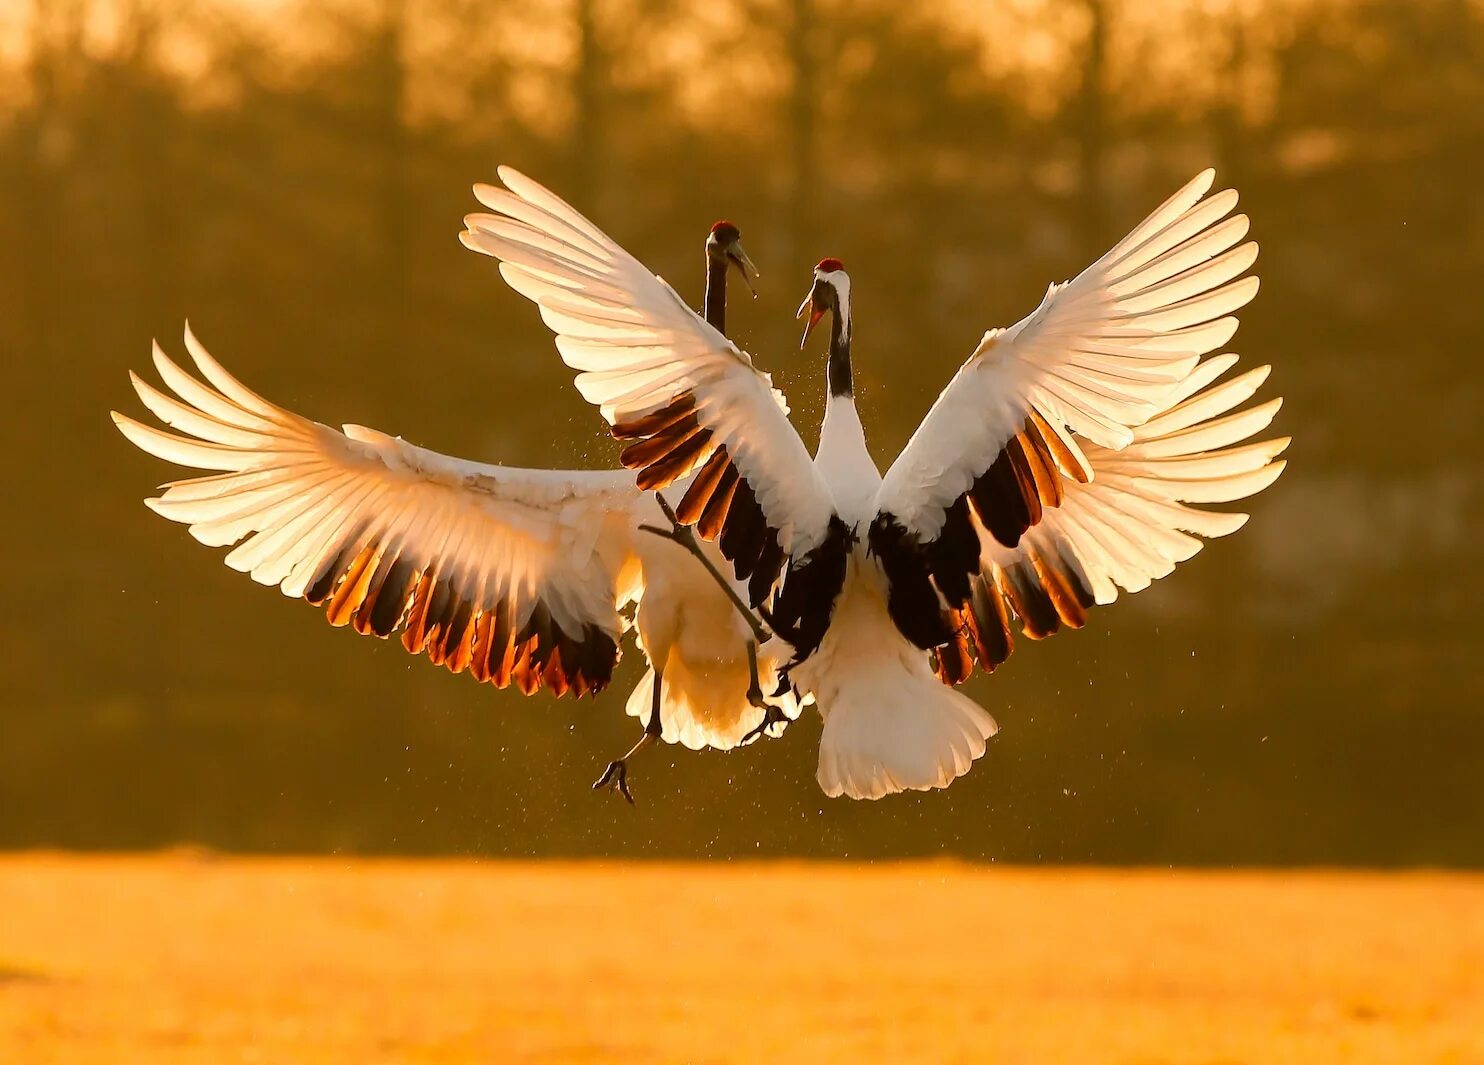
(486, 193)
(133, 430)
(163, 363)
(195, 348)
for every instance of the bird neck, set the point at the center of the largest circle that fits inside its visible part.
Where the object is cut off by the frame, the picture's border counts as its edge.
(839, 368)
(715, 307)
(845, 461)
(842, 439)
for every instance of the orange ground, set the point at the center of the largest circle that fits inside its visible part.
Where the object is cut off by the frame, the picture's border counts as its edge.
(183, 959)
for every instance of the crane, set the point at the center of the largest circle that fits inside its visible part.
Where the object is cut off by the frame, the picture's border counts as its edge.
(1057, 467)
(515, 576)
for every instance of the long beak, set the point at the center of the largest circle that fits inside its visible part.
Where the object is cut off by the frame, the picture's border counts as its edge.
(744, 266)
(816, 312)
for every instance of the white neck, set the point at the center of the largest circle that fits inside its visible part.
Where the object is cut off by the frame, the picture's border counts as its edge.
(845, 461)
(841, 280)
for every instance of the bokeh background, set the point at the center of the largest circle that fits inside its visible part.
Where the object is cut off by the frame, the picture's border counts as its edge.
(291, 176)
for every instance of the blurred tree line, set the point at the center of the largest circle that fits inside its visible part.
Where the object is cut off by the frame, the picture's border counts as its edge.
(291, 176)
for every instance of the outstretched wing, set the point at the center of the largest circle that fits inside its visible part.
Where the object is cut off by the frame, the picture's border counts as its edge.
(512, 574)
(1102, 354)
(1126, 527)
(681, 395)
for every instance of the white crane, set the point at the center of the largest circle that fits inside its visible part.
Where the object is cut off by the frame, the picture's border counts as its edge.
(1054, 469)
(513, 575)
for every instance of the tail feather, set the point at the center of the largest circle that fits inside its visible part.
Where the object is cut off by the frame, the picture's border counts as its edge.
(899, 732)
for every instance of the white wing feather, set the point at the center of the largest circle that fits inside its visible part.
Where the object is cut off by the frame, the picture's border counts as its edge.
(295, 496)
(1131, 524)
(1100, 355)
(638, 347)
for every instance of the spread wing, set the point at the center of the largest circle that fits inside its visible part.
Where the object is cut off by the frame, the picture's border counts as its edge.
(1128, 526)
(1101, 355)
(682, 396)
(514, 575)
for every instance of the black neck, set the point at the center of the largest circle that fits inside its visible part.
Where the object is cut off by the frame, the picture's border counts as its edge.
(715, 307)
(839, 371)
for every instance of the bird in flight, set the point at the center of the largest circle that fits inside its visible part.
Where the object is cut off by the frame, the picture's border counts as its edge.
(1056, 468)
(515, 576)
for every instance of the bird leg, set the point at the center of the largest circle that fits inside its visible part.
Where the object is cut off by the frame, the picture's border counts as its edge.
(772, 715)
(685, 536)
(616, 776)
(754, 682)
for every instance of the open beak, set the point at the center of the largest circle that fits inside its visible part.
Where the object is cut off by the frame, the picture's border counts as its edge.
(816, 310)
(744, 266)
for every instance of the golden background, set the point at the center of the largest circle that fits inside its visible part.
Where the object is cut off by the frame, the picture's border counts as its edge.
(291, 177)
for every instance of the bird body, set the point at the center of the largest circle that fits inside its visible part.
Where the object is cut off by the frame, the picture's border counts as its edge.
(692, 634)
(689, 630)
(889, 723)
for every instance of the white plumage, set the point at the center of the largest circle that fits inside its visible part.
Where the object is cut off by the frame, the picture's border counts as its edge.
(514, 575)
(300, 492)
(1099, 355)
(1054, 469)
(638, 345)
(1059, 466)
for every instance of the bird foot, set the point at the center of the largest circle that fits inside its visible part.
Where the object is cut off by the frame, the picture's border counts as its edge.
(772, 715)
(616, 778)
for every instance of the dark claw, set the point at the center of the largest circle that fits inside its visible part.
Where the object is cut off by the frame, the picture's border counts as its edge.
(771, 716)
(615, 778)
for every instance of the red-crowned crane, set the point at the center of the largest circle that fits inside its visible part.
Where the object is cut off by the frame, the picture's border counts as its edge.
(513, 575)
(1056, 467)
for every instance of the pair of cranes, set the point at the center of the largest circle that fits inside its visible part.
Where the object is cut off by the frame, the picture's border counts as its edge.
(1056, 468)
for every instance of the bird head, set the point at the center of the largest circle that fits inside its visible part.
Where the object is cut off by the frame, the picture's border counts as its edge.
(725, 246)
(830, 292)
